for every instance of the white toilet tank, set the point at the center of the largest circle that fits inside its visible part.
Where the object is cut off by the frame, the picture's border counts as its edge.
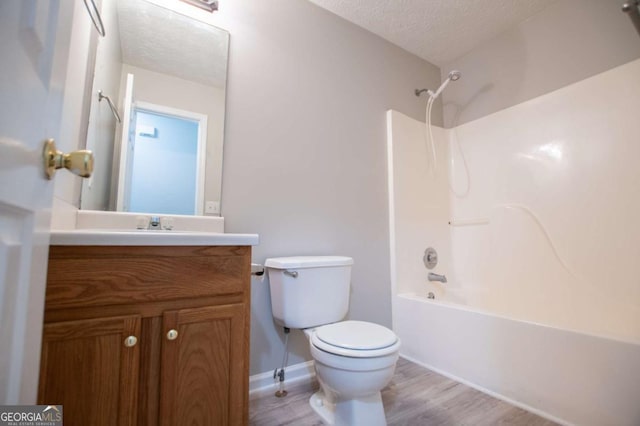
(308, 291)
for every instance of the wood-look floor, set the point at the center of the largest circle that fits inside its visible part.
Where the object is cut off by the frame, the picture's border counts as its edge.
(416, 396)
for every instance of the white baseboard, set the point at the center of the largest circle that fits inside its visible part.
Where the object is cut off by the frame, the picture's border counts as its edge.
(263, 383)
(484, 390)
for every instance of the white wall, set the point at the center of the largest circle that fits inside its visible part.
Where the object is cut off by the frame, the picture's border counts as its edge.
(567, 42)
(304, 162)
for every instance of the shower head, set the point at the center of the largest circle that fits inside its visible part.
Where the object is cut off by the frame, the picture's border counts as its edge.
(453, 76)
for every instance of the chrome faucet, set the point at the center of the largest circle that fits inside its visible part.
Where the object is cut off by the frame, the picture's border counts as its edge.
(154, 222)
(436, 277)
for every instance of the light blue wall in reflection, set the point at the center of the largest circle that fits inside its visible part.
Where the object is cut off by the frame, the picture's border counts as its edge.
(163, 176)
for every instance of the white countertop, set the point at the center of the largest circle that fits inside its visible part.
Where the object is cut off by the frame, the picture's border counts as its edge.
(103, 237)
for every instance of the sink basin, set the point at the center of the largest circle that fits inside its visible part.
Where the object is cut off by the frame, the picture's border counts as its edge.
(119, 237)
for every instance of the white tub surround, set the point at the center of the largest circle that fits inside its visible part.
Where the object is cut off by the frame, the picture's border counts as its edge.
(537, 232)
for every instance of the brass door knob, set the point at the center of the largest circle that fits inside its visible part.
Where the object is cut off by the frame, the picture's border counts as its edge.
(77, 162)
(172, 334)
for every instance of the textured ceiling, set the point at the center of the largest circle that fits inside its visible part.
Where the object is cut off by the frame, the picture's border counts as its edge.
(436, 30)
(158, 39)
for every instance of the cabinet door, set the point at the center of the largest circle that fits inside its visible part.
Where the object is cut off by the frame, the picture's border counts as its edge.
(203, 378)
(90, 368)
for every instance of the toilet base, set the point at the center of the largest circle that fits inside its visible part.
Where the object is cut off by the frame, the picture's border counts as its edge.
(366, 410)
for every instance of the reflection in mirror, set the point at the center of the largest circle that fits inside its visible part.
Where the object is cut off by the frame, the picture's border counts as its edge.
(166, 75)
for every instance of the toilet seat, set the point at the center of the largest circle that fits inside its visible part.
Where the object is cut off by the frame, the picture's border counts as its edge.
(356, 339)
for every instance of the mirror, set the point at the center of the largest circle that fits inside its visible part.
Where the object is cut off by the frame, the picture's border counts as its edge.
(164, 75)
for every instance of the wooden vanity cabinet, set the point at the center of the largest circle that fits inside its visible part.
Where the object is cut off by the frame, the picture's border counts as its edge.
(147, 335)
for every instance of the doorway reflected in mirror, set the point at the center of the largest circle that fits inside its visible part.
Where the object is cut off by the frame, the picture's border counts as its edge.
(164, 167)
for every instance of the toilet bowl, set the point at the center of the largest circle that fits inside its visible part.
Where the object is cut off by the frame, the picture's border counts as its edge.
(353, 360)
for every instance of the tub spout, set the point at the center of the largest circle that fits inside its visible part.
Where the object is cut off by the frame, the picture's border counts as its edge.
(436, 277)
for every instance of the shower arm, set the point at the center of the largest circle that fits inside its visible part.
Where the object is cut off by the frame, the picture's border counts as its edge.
(419, 92)
(453, 76)
(112, 107)
(433, 95)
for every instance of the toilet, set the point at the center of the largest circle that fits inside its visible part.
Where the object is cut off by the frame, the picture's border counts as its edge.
(353, 360)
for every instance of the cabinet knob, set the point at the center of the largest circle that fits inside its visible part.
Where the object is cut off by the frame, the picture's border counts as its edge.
(172, 334)
(130, 341)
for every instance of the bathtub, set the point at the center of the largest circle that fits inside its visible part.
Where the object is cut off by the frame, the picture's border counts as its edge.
(564, 376)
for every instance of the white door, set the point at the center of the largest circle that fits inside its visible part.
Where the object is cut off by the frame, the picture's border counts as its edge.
(34, 44)
(126, 147)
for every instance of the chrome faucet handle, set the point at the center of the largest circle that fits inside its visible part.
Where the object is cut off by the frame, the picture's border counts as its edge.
(430, 258)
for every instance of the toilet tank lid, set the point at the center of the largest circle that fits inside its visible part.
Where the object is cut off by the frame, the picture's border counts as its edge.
(297, 262)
